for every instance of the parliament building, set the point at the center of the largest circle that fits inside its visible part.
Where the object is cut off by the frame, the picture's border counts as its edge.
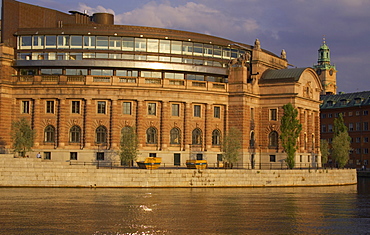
(81, 80)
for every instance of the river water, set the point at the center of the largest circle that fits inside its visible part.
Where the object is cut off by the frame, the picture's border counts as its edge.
(292, 210)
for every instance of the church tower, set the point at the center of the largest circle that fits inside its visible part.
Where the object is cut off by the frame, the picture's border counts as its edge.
(326, 71)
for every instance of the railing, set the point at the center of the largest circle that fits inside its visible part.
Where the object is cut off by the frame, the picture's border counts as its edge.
(219, 165)
(77, 78)
(50, 78)
(198, 84)
(153, 80)
(127, 79)
(26, 78)
(101, 79)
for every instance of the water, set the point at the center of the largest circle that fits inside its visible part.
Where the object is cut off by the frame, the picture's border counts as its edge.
(304, 210)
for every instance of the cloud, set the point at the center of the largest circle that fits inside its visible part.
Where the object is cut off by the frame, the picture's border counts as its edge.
(90, 10)
(190, 16)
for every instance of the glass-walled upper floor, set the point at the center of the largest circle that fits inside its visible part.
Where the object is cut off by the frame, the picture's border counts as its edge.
(127, 44)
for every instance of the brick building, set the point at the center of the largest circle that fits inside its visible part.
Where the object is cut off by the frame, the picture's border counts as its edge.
(81, 80)
(355, 109)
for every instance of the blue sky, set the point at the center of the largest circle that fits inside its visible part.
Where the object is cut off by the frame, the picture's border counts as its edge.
(297, 26)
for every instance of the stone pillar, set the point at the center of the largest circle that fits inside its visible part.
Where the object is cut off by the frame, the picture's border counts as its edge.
(164, 125)
(140, 129)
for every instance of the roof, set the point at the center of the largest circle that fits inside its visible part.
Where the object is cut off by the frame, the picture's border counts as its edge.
(290, 74)
(345, 100)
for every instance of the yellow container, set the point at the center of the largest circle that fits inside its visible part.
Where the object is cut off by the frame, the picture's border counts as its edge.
(196, 164)
(150, 163)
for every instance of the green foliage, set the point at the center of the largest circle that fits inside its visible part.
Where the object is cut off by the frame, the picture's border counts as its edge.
(290, 130)
(324, 148)
(22, 136)
(341, 144)
(128, 146)
(231, 145)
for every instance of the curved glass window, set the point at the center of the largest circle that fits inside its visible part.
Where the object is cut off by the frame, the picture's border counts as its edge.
(152, 45)
(151, 135)
(102, 42)
(176, 47)
(75, 134)
(164, 46)
(51, 41)
(127, 44)
(175, 136)
(38, 42)
(76, 42)
(101, 135)
(216, 137)
(140, 44)
(187, 48)
(89, 42)
(49, 134)
(114, 43)
(196, 137)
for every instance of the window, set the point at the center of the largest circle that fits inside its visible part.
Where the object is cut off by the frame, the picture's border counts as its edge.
(366, 139)
(101, 135)
(366, 112)
(217, 112)
(252, 114)
(358, 151)
(273, 114)
(197, 110)
(177, 159)
(151, 135)
(73, 156)
(101, 107)
(25, 107)
(75, 134)
(152, 109)
(216, 137)
(358, 139)
(175, 110)
(126, 108)
(47, 155)
(323, 128)
(357, 113)
(358, 126)
(272, 158)
(273, 139)
(76, 107)
(350, 114)
(350, 127)
(252, 140)
(366, 151)
(49, 134)
(196, 137)
(175, 136)
(49, 106)
(330, 128)
(100, 156)
(366, 126)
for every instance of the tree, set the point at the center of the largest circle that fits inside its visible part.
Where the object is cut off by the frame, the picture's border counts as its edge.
(341, 144)
(290, 130)
(22, 136)
(231, 145)
(128, 146)
(324, 149)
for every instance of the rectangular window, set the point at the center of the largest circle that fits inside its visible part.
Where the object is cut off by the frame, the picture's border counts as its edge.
(49, 106)
(175, 110)
(47, 155)
(366, 151)
(273, 114)
(358, 126)
(126, 106)
(366, 112)
(217, 112)
(100, 156)
(272, 158)
(350, 127)
(76, 107)
(358, 151)
(323, 128)
(197, 110)
(177, 159)
(73, 156)
(101, 107)
(358, 139)
(25, 106)
(366, 126)
(152, 109)
(330, 128)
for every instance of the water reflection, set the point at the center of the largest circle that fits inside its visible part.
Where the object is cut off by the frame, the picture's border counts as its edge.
(311, 210)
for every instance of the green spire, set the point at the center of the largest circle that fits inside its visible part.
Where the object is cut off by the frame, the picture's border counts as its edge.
(324, 54)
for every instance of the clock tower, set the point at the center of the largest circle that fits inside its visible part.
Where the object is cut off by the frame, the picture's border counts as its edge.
(326, 71)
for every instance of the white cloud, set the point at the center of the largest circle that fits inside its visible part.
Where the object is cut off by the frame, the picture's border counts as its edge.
(90, 10)
(190, 16)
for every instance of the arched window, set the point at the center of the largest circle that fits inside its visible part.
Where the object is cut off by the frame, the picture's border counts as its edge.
(273, 139)
(175, 136)
(127, 130)
(197, 136)
(252, 140)
(101, 135)
(151, 135)
(216, 137)
(50, 134)
(75, 134)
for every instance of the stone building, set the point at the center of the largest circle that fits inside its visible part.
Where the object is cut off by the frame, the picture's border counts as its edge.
(81, 80)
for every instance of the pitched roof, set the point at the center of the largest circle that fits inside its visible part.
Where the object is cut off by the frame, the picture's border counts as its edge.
(345, 100)
(282, 74)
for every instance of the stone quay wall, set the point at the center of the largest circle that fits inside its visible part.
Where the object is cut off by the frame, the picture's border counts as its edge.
(32, 172)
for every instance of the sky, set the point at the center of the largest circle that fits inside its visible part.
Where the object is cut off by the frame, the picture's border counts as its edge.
(297, 26)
